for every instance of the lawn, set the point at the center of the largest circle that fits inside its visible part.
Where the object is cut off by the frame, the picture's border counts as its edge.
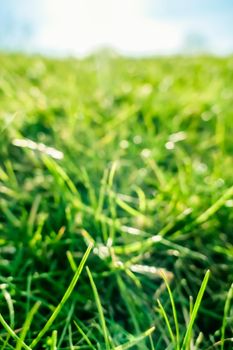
(116, 197)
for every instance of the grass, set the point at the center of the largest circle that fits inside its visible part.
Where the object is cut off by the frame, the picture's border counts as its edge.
(134, 159)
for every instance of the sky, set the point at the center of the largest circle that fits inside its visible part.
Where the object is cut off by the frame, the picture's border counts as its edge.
(132, 27)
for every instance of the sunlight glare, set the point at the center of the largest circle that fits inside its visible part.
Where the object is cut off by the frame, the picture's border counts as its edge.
(81, 26)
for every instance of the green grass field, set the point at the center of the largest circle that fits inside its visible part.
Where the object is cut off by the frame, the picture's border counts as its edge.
(133, 159)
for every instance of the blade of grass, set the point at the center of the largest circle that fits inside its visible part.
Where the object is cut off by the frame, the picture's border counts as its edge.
(33, 213)
(54, 340)
(70, 338)
(59, 173)
(173, 310)
(67, 322)
(151, 342)
(100, 311)
(10, 305)
(198, 341)
(71, 260)
(215, 207)
(128, 303)
(130, 210)
(84, 336)
(226, 310)
(164, 314)
(12, 333)
(102, 193)
(136, 340)
(90, 188)
(196, 306)
(27, 324)
(64, 299)
(9, 346)
(215, 345)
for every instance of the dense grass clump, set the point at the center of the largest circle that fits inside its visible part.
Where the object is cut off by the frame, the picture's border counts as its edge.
(124, 166)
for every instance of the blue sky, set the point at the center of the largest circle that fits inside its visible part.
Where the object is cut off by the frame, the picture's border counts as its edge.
(135, 27)
(179, 8)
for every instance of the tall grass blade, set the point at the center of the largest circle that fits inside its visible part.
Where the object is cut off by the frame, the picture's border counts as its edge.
(13, 334)
(215, 207)
(226, 311)
(164, 314)
(27, 324)
(187, 337)
(54, 340)
(85, 337)
(64, 299)
(173, 310)
(100, 311)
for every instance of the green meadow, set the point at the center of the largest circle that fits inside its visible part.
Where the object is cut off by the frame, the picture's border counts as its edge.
(116, 197)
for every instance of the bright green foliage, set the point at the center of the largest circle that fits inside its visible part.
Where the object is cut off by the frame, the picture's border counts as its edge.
(134, 157)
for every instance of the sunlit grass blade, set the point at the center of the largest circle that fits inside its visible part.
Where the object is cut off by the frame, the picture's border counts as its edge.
(102, 193)
(100, 311)
(90, 188)
(164, 314)
(188, 334)
(64, 299)
(215, 207)
(54, 340)
(135, 340)
(226, 311)
(173, 310)
(71, 261)
(27, 324)
(60, 174)
(11, 332)
(151, 342)
(198, 341)
(10, 305)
